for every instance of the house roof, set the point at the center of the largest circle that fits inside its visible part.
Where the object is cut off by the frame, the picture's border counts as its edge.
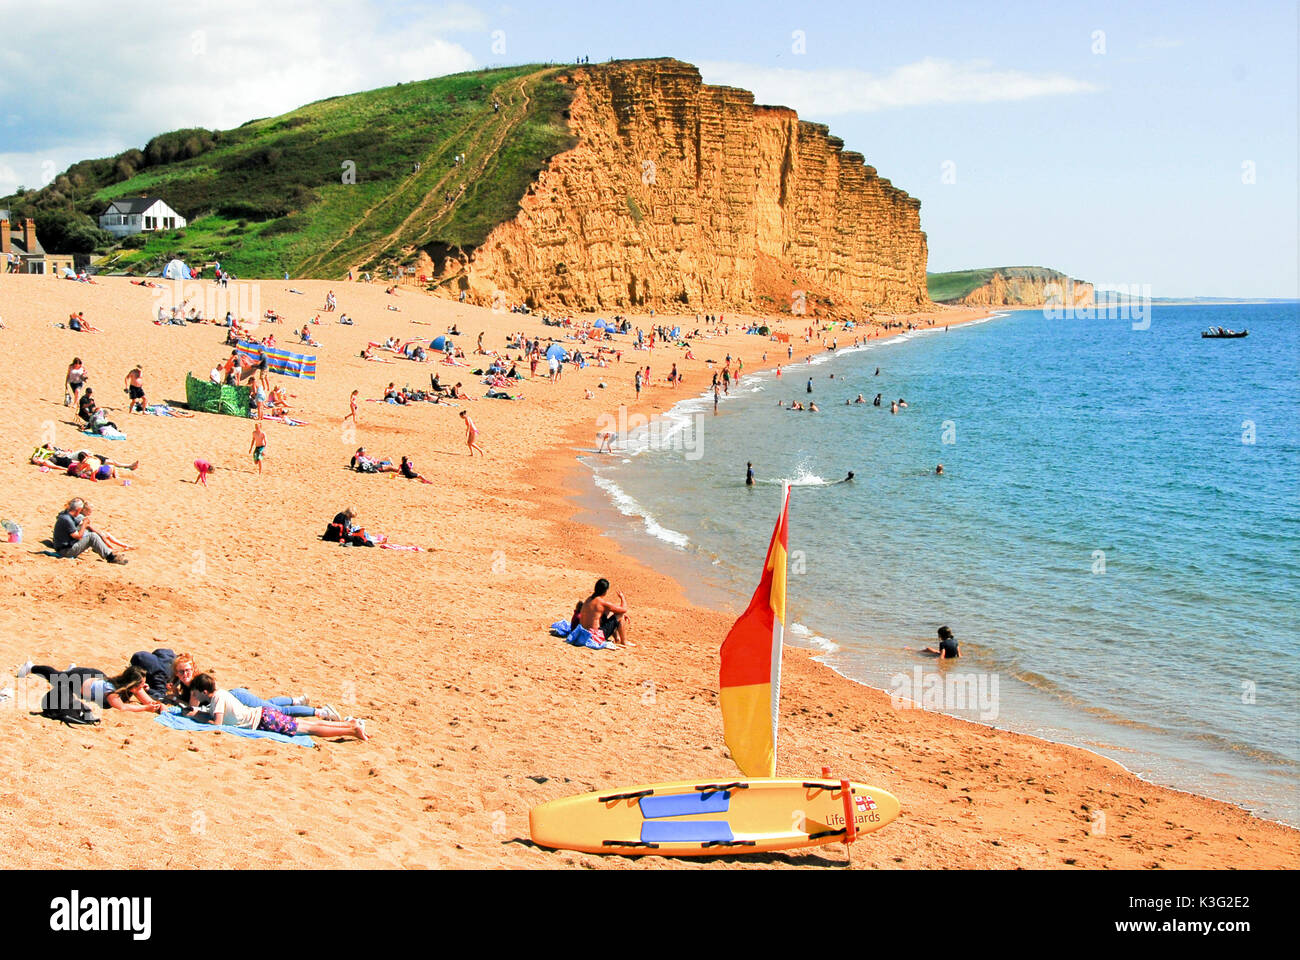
(132, 204)
(16, 244)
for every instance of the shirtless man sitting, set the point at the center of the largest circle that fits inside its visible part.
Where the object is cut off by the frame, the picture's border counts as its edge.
(599, 613)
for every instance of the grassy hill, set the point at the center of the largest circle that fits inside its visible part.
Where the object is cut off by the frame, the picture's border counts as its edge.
(948, 287)
(272, 195)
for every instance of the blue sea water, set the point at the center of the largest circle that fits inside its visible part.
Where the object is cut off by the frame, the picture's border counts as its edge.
(1114, 539)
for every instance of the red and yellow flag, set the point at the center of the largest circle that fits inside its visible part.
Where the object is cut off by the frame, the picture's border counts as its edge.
(750, 683)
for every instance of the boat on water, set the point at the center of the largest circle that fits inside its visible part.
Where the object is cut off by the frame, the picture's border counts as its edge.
(1220, 333)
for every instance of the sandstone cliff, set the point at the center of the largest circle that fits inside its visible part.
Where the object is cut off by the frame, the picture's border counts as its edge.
(678, 193)
(1010, 287)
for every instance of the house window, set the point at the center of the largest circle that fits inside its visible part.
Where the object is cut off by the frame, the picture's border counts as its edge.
(122, 219)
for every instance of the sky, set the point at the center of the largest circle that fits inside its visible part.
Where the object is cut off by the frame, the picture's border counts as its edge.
(1126, 144)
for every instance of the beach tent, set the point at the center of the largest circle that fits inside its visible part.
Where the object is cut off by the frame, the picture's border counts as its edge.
(440, 343)
(602, 324)
(209, 397)
(676, 333)
(557, 352)
(176, 270)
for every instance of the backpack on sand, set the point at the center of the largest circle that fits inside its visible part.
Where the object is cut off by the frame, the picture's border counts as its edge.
(63, 703)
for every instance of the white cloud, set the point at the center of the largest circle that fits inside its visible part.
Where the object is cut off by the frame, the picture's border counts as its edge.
(927, 82)
(119, 80)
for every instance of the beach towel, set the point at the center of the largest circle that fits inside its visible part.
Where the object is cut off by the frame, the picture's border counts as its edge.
(106, 433)
(398, 546)
(580, 636)
(177, 722)
(290, 421)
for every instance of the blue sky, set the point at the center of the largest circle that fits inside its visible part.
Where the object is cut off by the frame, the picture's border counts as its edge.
(1111, 141)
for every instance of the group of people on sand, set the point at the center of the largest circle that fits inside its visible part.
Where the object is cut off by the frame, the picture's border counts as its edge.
(160, 681)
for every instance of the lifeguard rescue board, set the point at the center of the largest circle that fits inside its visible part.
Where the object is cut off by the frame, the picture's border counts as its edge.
(702, 818)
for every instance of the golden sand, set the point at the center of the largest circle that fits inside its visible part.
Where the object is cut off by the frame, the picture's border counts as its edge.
(476, 713)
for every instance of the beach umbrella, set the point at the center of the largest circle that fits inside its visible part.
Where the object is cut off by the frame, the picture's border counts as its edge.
(556, 352)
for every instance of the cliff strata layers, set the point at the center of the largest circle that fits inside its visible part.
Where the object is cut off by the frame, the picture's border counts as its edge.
(677, 190)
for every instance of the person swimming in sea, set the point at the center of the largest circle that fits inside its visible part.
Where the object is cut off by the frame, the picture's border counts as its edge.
(947, 646)
(938, 471)
(849, 478)
(876, 402)
(749, 474)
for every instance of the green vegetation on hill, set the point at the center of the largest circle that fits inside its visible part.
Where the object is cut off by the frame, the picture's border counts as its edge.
(356, 180)
(947, 287)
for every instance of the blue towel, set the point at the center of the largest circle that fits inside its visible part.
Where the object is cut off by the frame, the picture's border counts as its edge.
(579, 636)
(177, 722)
(108, 434)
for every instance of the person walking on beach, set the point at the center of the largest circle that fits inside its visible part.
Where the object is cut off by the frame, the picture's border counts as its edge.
(715, 399)
(75, 380)
(352, 408)
(638, 383)
(471, 434)
(258, 447)
(134, 388)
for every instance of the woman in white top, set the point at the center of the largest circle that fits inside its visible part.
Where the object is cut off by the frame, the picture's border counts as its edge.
(221, 707)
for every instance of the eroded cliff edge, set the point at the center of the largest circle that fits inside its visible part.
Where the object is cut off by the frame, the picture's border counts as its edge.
(685, 196)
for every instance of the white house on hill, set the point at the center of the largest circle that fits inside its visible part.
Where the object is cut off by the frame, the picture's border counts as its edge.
(138, 214)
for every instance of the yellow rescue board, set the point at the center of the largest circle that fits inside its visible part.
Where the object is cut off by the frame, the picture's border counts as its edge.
(707, 818)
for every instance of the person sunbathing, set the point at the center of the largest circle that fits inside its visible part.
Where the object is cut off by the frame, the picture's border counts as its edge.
(47, 455)
(364, 463)
(80, 324)
(305, 337)
(90, 468)
(393, 395)
(126, 691)
(184, 672)
(220, 707)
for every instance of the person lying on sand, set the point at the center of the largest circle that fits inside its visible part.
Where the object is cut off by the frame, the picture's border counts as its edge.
(50, 456)
(184, 672)
(947, 646)
(222, 708)
(88, 467)
(362, 462)
(95, 686)
(78, 323)
(603, 618)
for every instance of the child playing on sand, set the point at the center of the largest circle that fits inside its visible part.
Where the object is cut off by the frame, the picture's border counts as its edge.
(204, 468)
(258, 447)
(352, 407)
(471, 434)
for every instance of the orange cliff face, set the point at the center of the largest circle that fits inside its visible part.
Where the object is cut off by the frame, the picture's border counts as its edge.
(678, 192)
(1031, 290)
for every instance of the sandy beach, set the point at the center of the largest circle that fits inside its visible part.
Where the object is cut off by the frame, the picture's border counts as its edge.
(475, 712)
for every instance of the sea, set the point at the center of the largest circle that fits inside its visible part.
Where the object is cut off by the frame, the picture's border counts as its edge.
(1113, 539)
